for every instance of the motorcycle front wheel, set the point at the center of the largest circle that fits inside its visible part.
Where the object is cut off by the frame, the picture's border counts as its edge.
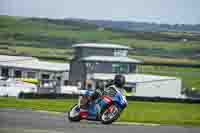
(110, 115)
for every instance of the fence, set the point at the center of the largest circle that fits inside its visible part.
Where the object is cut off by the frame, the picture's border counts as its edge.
(129, 98)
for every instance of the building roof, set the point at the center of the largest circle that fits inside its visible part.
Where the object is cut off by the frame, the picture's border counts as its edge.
(133, 78)
(110, 59)
(100, 45)
(33, 63)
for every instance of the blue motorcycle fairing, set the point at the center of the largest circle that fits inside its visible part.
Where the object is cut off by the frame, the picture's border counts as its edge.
(118, 99)
(77, 109)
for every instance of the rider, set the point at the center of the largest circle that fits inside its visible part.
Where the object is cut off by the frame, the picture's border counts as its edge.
(118, 83)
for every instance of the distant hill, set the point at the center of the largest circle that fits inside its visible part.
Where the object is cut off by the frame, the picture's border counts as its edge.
(141, 26)
(63, 33)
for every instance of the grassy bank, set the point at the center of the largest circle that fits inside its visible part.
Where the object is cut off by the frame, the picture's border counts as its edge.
(147, 112)
(61, 34)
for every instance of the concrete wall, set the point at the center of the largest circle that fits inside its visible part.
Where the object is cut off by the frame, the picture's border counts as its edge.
(77, 71)
(164, 88)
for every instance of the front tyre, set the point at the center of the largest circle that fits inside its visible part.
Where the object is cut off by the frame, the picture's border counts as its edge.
(110, 115)
(74, 113)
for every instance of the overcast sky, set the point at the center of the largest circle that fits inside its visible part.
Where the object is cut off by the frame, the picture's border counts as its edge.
(160, 11)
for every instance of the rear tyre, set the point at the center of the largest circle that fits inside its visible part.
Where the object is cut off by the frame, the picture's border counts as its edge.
(74, 114)
(110, 115)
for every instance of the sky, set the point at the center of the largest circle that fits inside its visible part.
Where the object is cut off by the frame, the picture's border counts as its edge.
(159, 11)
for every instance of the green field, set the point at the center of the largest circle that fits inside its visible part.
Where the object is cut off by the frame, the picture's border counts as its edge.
(55, 34)
(51, 54)
(147, 112)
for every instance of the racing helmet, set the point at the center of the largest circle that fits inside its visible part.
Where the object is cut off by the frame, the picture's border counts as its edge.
(119, 81)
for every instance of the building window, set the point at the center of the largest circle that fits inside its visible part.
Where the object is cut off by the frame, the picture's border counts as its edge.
(120, 68)
(122, 53)
(31, 75)
(115, 68)
(58, 78)
(133, 68)
(90, 67)
(18, 74)
(45, 76)
(4, 72)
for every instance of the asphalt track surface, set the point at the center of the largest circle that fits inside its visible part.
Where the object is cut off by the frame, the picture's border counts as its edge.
(26, 121)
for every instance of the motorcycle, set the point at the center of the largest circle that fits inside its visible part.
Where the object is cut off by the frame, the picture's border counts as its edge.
(106, 108)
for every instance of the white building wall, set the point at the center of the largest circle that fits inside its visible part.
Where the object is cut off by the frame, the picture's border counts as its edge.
(13, 88)
(164, 88)
(11, 72)
(65, 76)
(24, 74)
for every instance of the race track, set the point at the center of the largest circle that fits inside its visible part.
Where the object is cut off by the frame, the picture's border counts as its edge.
(26, 121)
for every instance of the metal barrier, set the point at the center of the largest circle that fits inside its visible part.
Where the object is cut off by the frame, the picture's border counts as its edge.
(129, 98)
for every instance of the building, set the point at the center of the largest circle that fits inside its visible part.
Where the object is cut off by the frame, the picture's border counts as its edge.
(91, 62)
(100, 58)
(50, 75)
(101, 62)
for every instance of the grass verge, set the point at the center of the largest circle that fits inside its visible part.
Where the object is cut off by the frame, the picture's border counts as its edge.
(145, 112)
